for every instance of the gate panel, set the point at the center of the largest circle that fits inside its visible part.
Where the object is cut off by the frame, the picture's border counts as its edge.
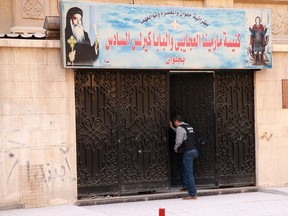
(96, 122)
(192, 95)
(121, 126)
(143, 130)
(235, 140)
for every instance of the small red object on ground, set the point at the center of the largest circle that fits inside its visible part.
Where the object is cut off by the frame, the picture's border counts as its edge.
(161, 211)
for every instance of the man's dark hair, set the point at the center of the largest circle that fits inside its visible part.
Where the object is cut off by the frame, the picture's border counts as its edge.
(178, 118)
(70, 13)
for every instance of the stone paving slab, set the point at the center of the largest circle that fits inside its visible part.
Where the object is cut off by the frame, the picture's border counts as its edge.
(241, 204)
(265, 202)
(63, 210)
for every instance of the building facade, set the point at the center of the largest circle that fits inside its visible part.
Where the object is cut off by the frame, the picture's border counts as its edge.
(38, 101)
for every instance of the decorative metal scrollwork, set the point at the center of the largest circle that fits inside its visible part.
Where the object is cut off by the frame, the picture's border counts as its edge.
(235, 123)
(121, 122)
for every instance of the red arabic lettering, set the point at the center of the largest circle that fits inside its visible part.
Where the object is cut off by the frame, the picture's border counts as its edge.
(167, 42)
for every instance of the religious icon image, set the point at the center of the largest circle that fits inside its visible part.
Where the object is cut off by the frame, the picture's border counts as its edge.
(258, 43)
(79, 50)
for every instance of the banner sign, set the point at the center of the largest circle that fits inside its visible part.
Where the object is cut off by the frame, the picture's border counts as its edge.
(97, 35)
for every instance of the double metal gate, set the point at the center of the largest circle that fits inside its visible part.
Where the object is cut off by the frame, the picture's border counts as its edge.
(220, 106)
(123, 139)
(121, 127)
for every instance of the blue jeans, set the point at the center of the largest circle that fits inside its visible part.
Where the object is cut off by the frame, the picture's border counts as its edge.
(188, 179)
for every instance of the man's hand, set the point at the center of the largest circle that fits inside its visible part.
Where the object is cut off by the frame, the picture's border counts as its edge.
(71, 56)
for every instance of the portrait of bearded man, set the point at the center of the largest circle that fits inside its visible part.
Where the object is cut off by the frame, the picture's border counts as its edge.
(79, 50)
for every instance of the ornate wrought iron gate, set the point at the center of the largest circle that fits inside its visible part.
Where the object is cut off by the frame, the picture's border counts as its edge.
(220, 106)
(121, 131)
(192, 95)
(121, 120)
(235, 129)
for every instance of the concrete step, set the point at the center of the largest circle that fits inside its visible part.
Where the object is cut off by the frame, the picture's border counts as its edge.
(158, 195)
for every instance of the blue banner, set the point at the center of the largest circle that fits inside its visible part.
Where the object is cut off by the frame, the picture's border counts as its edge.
(96, 35)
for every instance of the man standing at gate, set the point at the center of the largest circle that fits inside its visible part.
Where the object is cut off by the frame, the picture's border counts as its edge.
(185, 144)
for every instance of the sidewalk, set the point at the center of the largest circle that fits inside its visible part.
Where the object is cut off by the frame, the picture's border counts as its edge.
(265, 202)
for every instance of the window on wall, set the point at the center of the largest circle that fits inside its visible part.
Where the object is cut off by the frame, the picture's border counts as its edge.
(285, 94)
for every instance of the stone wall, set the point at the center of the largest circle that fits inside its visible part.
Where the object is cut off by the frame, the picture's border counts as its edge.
(271, 123)
(37, 128)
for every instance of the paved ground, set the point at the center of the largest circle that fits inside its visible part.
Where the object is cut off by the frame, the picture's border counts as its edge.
(266, 202)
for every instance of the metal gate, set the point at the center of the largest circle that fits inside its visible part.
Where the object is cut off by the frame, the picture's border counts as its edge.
(235, 128)
(192, 95)
(121, 131)
(220, 106)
